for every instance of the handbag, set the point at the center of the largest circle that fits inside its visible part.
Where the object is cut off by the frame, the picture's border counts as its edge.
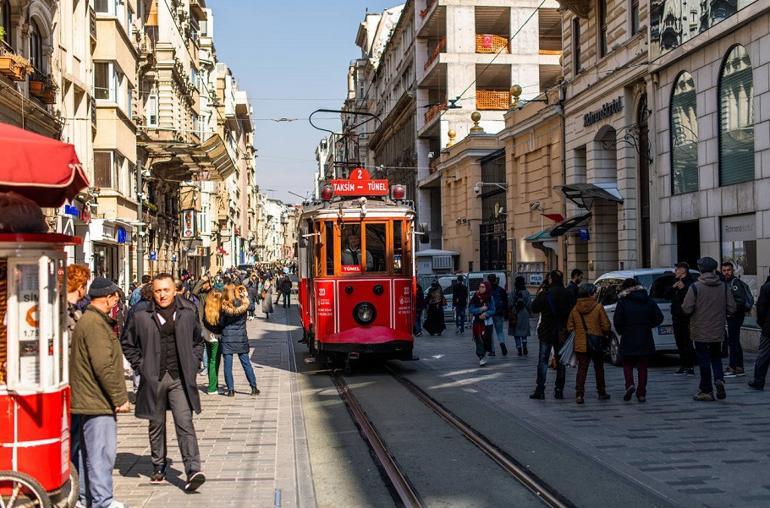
(595, 342)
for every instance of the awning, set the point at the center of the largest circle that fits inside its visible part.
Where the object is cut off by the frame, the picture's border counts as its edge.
(540, 236)
(206, 161)
(152, 16)
(569, 224)
(42, 169)
(584, 194)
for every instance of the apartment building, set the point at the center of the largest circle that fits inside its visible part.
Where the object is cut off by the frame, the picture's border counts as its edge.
(710, 83)
(607, 139)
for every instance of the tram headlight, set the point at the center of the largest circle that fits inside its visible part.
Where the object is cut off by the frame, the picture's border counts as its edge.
(364, 313)
(327, 193)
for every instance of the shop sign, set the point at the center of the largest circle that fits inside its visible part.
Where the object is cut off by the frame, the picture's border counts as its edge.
(71, 210)
(607, 110)
(188, 224)
(152, 255)
(122, 235)
(360, 184)
(739, 228)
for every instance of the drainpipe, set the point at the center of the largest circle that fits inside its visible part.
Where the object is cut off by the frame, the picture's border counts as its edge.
(562, 96)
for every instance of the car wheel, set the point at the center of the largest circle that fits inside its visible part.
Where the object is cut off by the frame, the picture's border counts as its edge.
(615, 358)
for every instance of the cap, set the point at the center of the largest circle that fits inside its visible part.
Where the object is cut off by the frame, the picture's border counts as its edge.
(102, 286)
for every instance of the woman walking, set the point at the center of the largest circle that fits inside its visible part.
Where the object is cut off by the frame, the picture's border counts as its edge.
(482, 308)
(636, 314)
(212, 313)
(235, 340)
(520, 304)
(267, 297)
(434, 321)
(590, 323)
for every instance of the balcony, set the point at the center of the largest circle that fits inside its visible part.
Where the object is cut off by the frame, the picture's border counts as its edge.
(92, 104)
(493, 100)
(12, 65)
(434, 111)
(432, 22)
(433, 165)
(490, 43)
(434, 51)
(92, 24)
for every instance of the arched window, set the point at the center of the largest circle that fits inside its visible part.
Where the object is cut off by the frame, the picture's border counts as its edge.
(736, 118)
(684, 136)
(36, 47)
(5, 21)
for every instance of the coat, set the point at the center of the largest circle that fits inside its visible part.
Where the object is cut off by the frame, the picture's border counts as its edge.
(636, 314)
(596, 320)
(96, 366)
(554, 305)
(141, 346)
(267, 301)
(763, 308)
(521, 327)
(232, 320)
(677, 298)
(708, 303)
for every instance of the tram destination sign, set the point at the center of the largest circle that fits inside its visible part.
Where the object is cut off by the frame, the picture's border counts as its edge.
(608, 109)
(359, 184)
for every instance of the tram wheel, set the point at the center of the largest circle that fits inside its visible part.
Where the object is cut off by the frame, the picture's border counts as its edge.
(20, 490)
(74, 493)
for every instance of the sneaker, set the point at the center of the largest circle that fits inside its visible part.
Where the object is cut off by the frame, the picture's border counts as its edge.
(525, 351)
(721, 393)
(604, 396)
(558, 393)
(194, 481)
(229, 393)
(756, 385)
(116, 504)
(690, 372)
(729, 372)
(579, 399)
(213, 392)
(537, 395)
(482, 361)
(255, 391)
(703, 397)
(504, 349)
(629, 393)
(519, 350)
(739, 372)
(680, 372)
(158, 475)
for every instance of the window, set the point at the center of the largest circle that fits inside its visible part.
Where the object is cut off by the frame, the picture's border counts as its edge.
(398, 247)
(352, 253)
(5, 21)
(576, 45)
(103, 170)
(634, 17)
(375, 247)
(102, 80)
(36, 47)
(736, 118)
(739, 245)
(602, 26)
(329, 246)
(102, 6)
(151, 111)
(109, 172)
(684, 136)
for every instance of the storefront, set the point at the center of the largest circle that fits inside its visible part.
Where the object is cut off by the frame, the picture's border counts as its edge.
(110, 252)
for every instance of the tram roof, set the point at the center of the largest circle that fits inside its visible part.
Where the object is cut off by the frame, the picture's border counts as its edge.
(351, 208)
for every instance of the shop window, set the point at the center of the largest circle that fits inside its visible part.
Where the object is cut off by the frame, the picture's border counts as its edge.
(739, 245)
(684, 136)
(736, 118)
(375, 247)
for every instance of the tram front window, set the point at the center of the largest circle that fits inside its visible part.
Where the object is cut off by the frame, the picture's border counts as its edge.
(351, 249)
(375, 247)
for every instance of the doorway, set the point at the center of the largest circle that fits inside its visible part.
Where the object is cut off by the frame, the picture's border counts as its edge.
(688, 242)
(643, 180)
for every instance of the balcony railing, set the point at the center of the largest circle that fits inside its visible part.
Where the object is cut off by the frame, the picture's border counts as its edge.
(490, 43)
(437, 50)
(428, 6)
(433, 166)
(93, 112)
(434, 111)
(493, 99)
(92, 23)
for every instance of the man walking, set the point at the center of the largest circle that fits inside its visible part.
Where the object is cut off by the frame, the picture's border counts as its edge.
(98, 393)
(501, 306)
(576, 278)
(554, 303)
(708, 303)
(163, 340)
(744, 301)
(286, 285)
(763, 358)
(460, 303)
(681, 321)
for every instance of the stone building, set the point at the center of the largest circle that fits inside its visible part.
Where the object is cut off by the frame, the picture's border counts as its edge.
(711, 103)
(606, 114)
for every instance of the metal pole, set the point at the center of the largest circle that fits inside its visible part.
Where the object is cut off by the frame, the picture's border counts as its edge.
(140, 227)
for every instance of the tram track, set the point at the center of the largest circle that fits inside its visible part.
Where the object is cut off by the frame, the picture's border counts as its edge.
(403, 491)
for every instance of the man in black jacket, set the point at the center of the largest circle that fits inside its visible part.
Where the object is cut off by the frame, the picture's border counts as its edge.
(763, 319)
(554, 303)
(460, 303)
(680, 320)
(162, 340)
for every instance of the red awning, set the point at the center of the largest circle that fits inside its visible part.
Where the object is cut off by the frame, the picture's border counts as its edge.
(42, 169)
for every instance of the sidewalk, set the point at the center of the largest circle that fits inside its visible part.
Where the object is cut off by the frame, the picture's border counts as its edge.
(253, 449)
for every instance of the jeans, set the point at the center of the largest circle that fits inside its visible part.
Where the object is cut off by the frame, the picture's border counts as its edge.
(583, 360)
(641, 363)
(683, 343)
(287, 300)
(417, 322)
(734, 325)
(520, 341)
(763, 360)
(483, 342)
(461, 314)
(212, 366)
(171, 395)
(247, 368)
(709, 360)
(542, 366)
(499, 322)
(97, 449)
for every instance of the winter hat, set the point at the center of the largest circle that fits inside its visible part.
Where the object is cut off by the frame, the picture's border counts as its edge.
(102, 286)
(707, 264)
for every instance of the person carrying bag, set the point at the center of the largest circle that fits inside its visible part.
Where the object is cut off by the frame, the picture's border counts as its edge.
(590, 324)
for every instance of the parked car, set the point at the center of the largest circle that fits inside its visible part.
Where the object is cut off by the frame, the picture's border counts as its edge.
(655, 281)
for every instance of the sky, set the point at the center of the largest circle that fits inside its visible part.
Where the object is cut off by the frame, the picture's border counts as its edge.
(292, 57)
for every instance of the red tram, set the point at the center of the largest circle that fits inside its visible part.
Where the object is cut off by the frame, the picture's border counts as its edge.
(357, 280)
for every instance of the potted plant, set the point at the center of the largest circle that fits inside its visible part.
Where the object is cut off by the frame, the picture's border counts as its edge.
(13, 66)
(36, 84)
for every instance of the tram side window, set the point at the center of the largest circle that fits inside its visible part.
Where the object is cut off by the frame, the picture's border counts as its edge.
(329, 243)
(398, 247)
(375, 248)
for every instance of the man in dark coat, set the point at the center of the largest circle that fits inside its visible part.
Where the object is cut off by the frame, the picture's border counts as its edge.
(575, 279)
(163, 341)
(554, 303)
(680, 320)
(460, 303)
(763, 319)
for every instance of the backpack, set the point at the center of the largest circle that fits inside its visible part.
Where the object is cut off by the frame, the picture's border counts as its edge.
(742, 294)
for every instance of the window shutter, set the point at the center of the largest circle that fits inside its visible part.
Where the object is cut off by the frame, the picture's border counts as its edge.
(684, 136)
(736, 119)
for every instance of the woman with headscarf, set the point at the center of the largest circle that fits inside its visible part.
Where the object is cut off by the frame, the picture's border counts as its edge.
(520, 305)
(482, 308)
(434, 321)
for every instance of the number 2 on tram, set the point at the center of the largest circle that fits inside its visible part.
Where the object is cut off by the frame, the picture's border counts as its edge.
(357, 281)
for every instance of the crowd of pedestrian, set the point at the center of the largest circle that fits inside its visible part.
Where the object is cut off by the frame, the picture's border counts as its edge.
(574, 329)
(166, 332)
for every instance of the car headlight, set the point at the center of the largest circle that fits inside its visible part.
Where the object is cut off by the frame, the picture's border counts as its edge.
(364, 313)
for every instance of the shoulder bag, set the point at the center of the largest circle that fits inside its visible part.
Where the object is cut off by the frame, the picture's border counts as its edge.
(595, 342)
